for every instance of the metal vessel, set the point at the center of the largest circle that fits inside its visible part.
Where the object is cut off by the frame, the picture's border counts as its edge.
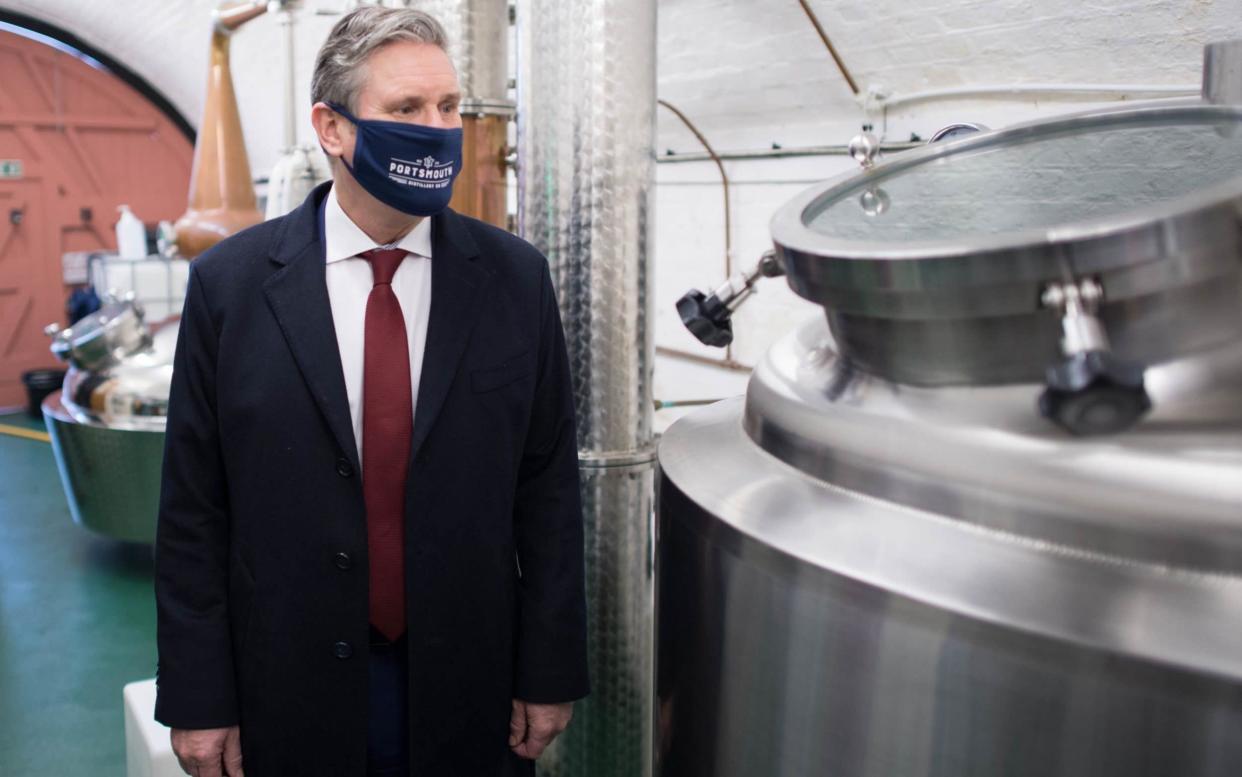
(983, 514)
(107, 423)
(222, 199)
(586, 132)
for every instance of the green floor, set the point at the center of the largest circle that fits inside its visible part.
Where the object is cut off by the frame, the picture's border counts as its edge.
(77, 622)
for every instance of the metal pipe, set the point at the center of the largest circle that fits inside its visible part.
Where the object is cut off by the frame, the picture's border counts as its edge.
(1119, 91)
(291, 96)
(845, 72)
(586, 132)
(689, 356)
(724, 185)
(669, 404)
(232, 14)
(724, 180)
(778, 153)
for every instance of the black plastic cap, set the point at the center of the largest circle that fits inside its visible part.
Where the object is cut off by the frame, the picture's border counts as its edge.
(1094, 393)
(706, 318)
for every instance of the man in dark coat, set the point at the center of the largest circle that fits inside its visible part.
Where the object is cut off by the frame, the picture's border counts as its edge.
(369, 557)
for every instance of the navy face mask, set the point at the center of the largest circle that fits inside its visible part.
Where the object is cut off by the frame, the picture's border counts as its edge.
(406, 166)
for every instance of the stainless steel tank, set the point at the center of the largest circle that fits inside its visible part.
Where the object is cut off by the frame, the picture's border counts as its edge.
(983, 516)
(107, 422)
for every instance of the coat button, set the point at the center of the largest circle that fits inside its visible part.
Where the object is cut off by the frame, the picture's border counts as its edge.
(342, 561)
(342, 650)
(344, 468)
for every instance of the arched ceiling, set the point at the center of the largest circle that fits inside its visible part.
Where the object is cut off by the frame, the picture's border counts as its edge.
(739, 68)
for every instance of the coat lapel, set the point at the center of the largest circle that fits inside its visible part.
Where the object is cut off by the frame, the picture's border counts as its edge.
(298, 297)
(457, 284)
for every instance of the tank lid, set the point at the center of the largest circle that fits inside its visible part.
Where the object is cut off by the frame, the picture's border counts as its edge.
(1143, 201)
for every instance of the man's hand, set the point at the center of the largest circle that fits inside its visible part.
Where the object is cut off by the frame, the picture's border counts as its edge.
(533, 726)
(209, 752)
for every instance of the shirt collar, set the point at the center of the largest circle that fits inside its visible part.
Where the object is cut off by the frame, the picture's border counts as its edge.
(344, 240)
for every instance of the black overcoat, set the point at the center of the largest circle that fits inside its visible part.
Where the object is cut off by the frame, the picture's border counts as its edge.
(261, 552)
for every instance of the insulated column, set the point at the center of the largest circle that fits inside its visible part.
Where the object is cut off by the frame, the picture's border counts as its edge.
(586, 98)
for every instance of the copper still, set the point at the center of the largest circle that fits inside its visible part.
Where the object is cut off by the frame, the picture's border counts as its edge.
(482, 190)
(222, 199)
(478, 33)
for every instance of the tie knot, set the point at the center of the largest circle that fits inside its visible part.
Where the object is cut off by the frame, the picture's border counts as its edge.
(384, 263)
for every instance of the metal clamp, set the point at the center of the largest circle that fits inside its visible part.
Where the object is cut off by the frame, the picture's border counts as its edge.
(1091, 391)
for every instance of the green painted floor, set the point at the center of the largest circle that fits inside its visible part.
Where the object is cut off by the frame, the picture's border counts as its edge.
(77, 622)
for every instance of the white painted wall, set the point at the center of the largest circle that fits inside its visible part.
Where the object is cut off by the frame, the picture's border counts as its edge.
(750, 73)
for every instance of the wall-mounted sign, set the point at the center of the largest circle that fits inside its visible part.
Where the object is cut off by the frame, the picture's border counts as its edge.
(10, 168)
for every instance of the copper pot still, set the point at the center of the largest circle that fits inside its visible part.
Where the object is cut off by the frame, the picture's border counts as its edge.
(222, 198)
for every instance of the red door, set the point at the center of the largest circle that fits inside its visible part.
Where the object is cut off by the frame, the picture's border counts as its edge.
(75, 142)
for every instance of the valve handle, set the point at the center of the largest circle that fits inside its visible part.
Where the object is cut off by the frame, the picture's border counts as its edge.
(706, 318)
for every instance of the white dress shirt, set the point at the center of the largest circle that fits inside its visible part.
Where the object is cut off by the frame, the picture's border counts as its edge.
(349, 285)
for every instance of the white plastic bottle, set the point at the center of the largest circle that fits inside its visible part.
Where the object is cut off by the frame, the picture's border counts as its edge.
(131, 235)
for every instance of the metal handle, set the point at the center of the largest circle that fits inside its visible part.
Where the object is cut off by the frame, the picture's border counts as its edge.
(865, 148)
(708, 317)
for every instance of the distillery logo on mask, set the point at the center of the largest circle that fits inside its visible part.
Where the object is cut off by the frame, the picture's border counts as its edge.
(406, 166)
(426, 173)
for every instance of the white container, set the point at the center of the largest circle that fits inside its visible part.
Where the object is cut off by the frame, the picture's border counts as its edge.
(131, 235)
(158, 283)
(148, 749)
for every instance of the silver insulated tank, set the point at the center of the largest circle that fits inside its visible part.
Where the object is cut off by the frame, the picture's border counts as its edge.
(983, 516)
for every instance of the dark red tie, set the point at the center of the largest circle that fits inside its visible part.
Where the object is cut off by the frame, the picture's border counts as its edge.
(387, 424)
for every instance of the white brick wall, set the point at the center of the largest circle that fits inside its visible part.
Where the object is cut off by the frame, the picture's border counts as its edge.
(749, 73)
(753, 72)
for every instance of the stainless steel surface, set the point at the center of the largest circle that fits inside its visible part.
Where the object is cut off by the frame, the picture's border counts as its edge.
(885, 562)
(107, 423)
(103, 338)
(585, 135)
(1168, 493)
(805, 629)
(129, 392)
(111, 476)
(586, 101)
(1077, 304)
(478, 32)
(861, 578)
(956, 131)
(611, 730)
(865, 148)
(1222, 72)
(1144, 200)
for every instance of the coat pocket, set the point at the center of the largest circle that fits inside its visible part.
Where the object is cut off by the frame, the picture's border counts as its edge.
(509, 371)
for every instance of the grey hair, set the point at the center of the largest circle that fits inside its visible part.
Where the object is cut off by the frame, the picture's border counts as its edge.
(340, 66)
